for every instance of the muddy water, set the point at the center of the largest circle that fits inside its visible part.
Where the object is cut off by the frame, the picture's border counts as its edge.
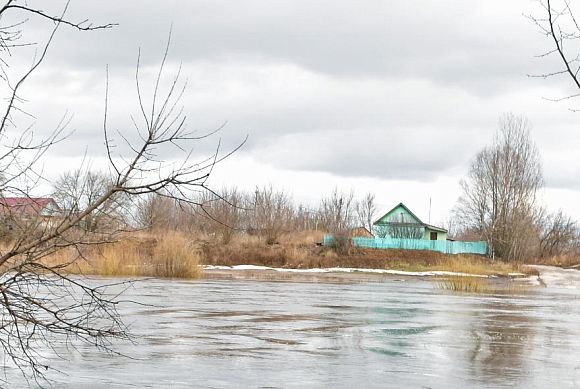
(393, 333)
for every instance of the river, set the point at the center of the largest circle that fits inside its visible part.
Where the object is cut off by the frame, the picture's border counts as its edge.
(223, 333)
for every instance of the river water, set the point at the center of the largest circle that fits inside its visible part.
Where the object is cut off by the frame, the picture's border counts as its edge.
(389, 334)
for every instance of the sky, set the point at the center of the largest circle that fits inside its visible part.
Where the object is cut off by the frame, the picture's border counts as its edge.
(392, 98)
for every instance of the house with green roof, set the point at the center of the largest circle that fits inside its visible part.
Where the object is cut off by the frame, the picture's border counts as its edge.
(402, 229)
(401, 223)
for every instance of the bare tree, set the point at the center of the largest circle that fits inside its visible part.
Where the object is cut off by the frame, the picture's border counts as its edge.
(155, 212)
(499, 193)
(559, 24)
(305, 219)
(366, 210)
(272, 213)
(450, 224)
(337, 211)
(40, 303)
(221, 212)
(75, 190)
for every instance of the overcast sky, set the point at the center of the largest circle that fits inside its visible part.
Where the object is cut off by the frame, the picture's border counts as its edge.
(388, 97)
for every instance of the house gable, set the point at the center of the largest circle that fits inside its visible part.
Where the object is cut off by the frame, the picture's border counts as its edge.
(50, 208)
(401, 223)
(399, 214)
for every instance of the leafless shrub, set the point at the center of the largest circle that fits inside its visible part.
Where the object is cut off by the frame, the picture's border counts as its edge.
(156, 212)
(342, 242)
(337, 211)
(366, 210)
(223, 212)
(272, 213)
(558, 235)
(305, 219)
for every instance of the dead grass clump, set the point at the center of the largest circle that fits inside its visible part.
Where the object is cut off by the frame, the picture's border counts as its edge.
(331, 254)
(174, 257)
(295, 254)
(245, 240)
(122, 258)
(467, 284)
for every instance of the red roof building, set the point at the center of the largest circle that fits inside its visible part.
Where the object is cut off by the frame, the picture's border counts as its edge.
(28, 206)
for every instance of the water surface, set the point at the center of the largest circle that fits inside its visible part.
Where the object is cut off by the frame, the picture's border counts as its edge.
(259, 334)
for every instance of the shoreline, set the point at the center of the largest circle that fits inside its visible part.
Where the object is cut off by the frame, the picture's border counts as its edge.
(336, 274)
(432, 273)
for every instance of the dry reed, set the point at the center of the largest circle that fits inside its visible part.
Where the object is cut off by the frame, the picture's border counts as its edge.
(481, 285)
(465, 284)
(168, 255)
(174, 257)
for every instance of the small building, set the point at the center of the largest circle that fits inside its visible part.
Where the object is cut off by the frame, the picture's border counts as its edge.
(21, 210)
(361, 232)
(401, 223)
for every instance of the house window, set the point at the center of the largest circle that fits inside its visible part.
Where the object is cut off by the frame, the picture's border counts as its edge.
(433, 236)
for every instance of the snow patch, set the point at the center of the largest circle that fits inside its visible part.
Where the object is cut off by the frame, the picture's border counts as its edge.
(346, 270)
(555, 277)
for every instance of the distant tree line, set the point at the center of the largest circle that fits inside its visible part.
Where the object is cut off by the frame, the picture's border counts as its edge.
(265, 212)
(499, 204)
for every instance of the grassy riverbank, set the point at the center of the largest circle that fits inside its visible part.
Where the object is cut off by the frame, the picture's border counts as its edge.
(177, 255)
(299, 251)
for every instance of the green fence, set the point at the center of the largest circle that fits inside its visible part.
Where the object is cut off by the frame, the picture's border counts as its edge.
(442, 246)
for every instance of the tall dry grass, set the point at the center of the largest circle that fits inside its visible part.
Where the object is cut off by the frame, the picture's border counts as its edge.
(479, 285)
(175, 257)
(167, 255)
(465, 284)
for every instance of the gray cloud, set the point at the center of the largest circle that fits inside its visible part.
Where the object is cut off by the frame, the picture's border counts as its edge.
(394, 154)
(480, 47)
(405, 90)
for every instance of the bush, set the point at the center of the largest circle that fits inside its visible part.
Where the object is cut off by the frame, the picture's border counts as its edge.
(341, 243)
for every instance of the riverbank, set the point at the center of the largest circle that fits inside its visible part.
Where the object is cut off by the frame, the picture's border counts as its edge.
(178, 255)
(301, 251)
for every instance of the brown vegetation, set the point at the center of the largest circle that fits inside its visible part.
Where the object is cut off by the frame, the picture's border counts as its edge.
(299, 251)
(563, 260)
(168, 255)
(481, 285)
(178, 255)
